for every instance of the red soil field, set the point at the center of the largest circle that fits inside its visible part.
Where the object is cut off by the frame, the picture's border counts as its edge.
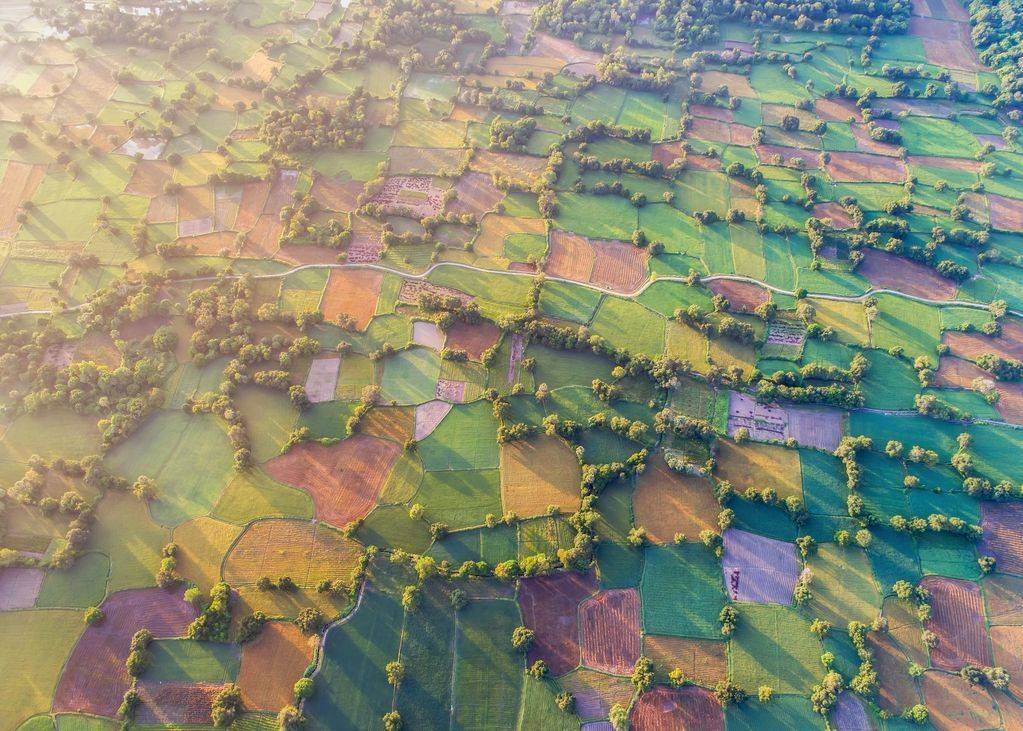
(609, 627)
(954, 704)
(766, 154)
(704, 662)
(571, 256)
(839, 218)
(618, 266)
(743, 296)
(352, 292)
(1007, 643)
(677, 709)
(741, 134)
(94, 678)
(1006, 213)
(271, 664)
(836, 110)
(958, 621)
(958, 373)
(473, 339)
(19, 183)
(179, 703)
(971, 345)
(149, 178)
(280, 192)
(251, 207)
(946, 163)
(710, 112)
(711, 130)
(1003, 535)
(476, 194)
(896, 689)
(888, 271)
(862, 167)
(667, 152)
(336, 195)
(549, 607)
(864, 142)
(263, 240)
(344, 479)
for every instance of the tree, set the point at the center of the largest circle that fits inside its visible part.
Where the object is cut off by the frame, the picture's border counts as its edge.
(310, 620)
(619, 717)
(727, 693)
(290, 719)
(304, 688)
(765, 693)
(522, 638)
(392, 721)
(94, 616)
(642, 673)
(226, 705)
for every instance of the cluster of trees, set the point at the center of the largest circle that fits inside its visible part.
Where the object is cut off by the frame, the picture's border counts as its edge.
(313, 126)
(301, 228)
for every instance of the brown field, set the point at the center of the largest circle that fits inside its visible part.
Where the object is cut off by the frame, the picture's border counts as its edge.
(163, 209)
(667, 152)
(430, 160)
(389, 422)
(865, 143)
(1006, 213)
(971, 345)
(595, 692)
(705, 662)
(94, 679)
(411, 290)
(710, 130)
(539, 473)
(520, 169)
(1003, 535)
(562, 49)
(550, 607)
(666, 503)
(494, 229)
(19, 183)
(958, 373)
(476, 194)
(887, 271)
(896, 689)
(571, 256)
(253, 198)
(743, 296)
(759, 465)
(737, 85)
(609, 630)
(299, 255)
(173, 702)
(336, 195)
(352, 292)
(1007, 646)
(783, 155)
(863, 167)
(343, 480)
(904, 628)
(280, 192)
(839, 218)
(618, 266)
(195, 202)
(263, 238)
(677, 709)
(1004, 598)
(958, 621)
(836, 110)
(711, 112)
(955, 704)
(948, 163)
(306, 551)
(473, 339)
(271, 664)
(202, 543)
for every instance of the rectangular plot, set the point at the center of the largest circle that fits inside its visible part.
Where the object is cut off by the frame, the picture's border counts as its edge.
(321, 382)
(488, 671)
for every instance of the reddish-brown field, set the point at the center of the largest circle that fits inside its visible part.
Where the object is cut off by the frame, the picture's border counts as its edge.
(1007, 646)
(958, 373)
(550, 607)
(971, 345)
(609, 626)
(839, 217)
(1003, 535)
(896, 689)
(863, 167)
(336, 195)
(19, 183)
(955, 705)
(677, 709)
(571, 256)
(473, 339)
(710, 130)
(618, 266)
(94, 678)
(344, 479)
(667, 152)
(1003, 596)
(352, 292)
(149, 178)
(476, 193)
(271, 664)
(595, 692)
(782, 155)
(836, 109)
(666, 503)
(887, 271)
(251, 208)
(712, 112)
(1006, 213)
(390, 422)
(958, 621)
(704, 662)
(178, 703)
(960, 164)
(743, 296)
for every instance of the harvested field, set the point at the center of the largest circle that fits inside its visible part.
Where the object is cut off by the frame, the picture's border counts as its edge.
(818, 427)
(666, 502)
(174, 702)
(667, 152)
(955, 704)
(414, 196)
(425, 160)
(609, 627)
(496, 229)
(705, 662)
(477, 194)
(759, 465)
(743, 296)
(896, 689)
(304, 550)
(888, 271)
(19, 183)
(19, 587)
(838, 216)
(280, 194)
(618, 266)
(94, 679)
(571, 256)
(336, 195)
(960, 164)
(271, 664)
(428, 416)
(322, 379)
(677, 709)
(958, 373)
(473, 339)
(759, 569)
(352, 293)
(427, 334)
(1003, 595)
(1003, 535)
(737, 85)
(1007, 650)
(254, 196)
(344, 479)
(394, 423)
(412, 289)
(958, 621)
(859, 167)
(538, 473)
(1006, 213)
(520, 169)
(202, 543)
(710, 130)
(550, 606)
(595, 692)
